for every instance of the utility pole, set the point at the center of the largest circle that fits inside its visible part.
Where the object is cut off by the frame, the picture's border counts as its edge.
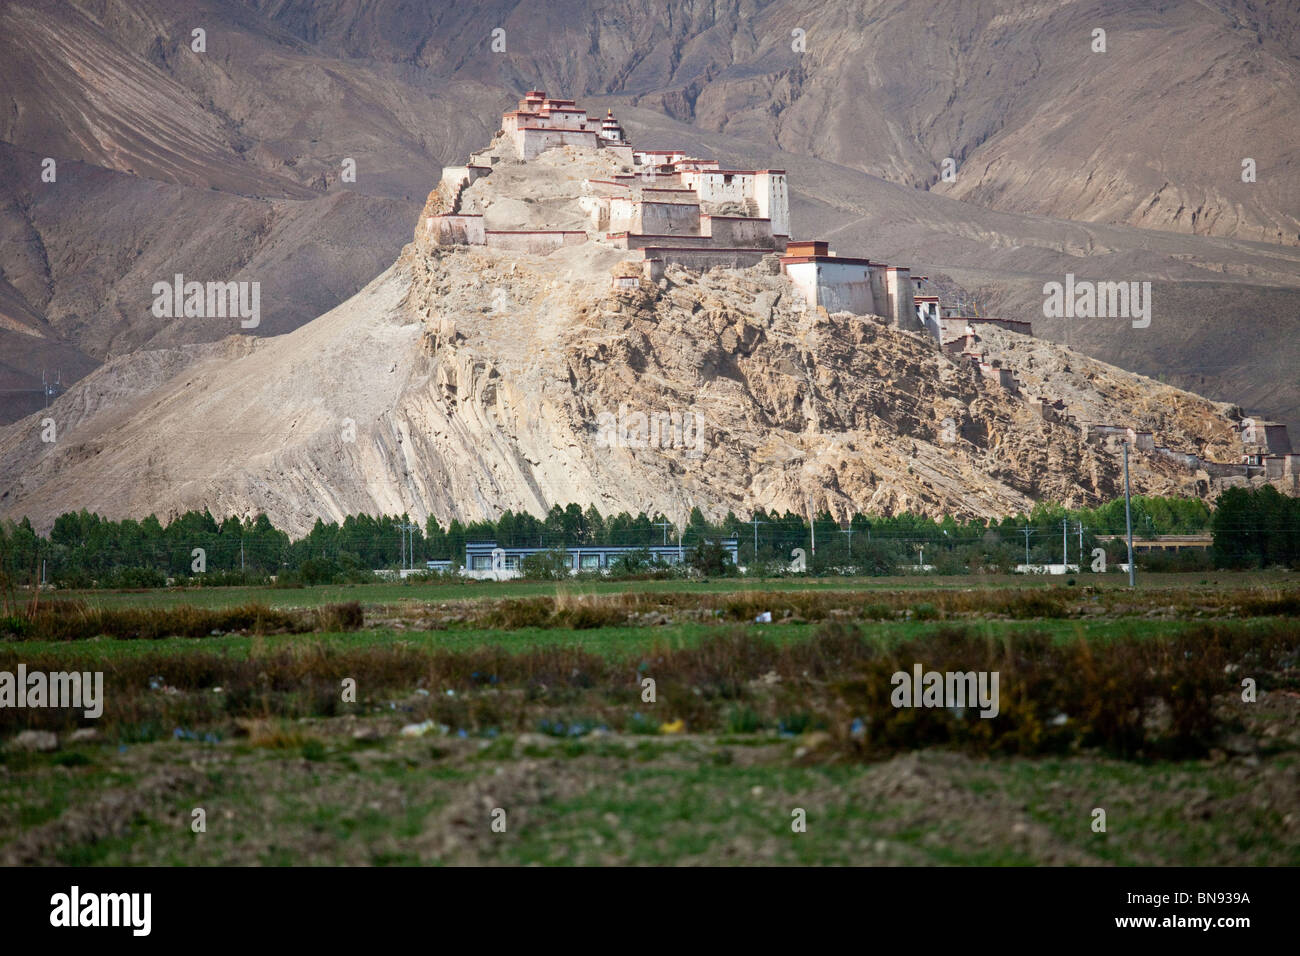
(665, 525)
(1026, 531)
(849, 532)
(1128, 519)
(812, 526)
(1080, 545)
(408, 534)
(241, 552)
(1065, 546)
(755, 522)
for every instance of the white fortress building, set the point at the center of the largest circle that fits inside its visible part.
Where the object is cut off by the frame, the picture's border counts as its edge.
(541, 122)
(665, 207)
(846, 284)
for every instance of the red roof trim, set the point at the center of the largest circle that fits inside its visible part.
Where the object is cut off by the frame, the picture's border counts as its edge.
(560, 129)
(766, 252)
(842, 260)
(652, 235)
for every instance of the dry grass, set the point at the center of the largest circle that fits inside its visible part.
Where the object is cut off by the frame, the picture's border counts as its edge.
(76, 620)
(1137, 695)
(576, 610)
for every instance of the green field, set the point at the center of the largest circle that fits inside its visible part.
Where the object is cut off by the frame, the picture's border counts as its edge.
(523, 703)
(395, 592)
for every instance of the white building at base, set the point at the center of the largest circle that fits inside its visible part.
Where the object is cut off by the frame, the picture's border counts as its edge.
(848, 284)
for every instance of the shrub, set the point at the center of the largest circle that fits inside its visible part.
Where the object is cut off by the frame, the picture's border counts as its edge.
(925, 612)
(712, 559)
(551, 565)
(134, 578)
(317, 571)
(631, 563)
(340, 617)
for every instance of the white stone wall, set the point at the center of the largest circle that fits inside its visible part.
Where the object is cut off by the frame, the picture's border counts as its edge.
(835, 286)
(718, 187)
(622, 215)
(902, 302)
(597, 207)
(705, 258)
(654, 218)
(773, 201)
(455, 230)
(668, 219)
(539, 242)
(738, 231)
(563, 119)
(531, 143)
(928, 315)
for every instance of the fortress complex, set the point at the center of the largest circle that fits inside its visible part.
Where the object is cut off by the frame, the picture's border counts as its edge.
(667, 207)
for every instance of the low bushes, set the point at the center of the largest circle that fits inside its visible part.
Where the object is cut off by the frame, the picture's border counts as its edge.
(1132, 696)
(75, 620)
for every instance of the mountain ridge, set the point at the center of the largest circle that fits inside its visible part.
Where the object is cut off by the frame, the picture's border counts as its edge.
(468, 380)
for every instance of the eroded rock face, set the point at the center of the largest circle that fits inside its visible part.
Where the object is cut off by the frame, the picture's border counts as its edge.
(430, 393)
(466, 380)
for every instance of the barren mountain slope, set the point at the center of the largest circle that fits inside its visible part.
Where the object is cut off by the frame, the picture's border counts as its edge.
(226, 165)
(466, 380)
(1013, 91)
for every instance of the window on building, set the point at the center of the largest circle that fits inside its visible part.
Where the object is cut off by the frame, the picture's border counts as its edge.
(590, 561)
(480, 562)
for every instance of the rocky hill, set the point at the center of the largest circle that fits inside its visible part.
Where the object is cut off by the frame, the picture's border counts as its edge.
(465, 380)
(228, 165)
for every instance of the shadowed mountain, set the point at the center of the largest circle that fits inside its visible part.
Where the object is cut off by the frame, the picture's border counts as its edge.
(227, 164)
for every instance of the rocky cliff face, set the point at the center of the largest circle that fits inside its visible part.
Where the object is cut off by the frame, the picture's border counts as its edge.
(467, 380)
(229, 165)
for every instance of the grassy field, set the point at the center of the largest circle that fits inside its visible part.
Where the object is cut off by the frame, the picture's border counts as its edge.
(510, 724)
(395, 592)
